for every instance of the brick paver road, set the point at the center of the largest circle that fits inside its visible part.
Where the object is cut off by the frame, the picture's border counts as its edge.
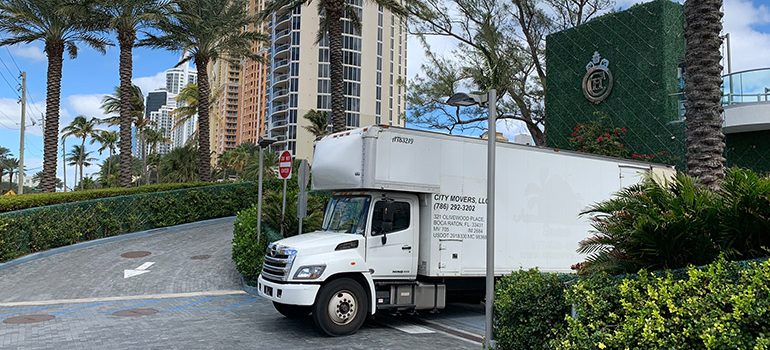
(182, 303)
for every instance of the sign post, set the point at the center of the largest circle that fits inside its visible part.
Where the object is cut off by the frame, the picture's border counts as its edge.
(303, 177)
(284, 172)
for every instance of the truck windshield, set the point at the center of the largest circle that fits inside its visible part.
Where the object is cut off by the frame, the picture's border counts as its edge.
(346, 214)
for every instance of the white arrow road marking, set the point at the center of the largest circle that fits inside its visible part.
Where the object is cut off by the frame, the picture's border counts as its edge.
(138, 271)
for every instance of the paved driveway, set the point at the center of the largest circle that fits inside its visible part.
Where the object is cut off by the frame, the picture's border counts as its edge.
(84, 298)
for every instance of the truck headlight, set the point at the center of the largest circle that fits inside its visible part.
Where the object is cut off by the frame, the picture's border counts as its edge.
(310, 272)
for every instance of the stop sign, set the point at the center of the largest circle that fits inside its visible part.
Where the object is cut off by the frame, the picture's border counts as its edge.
(284, 165)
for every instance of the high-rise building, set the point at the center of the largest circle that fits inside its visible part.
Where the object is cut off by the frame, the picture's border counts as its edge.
(298, 80)
(224, 82)
(176, 79)
(162, 116)
(252, 102)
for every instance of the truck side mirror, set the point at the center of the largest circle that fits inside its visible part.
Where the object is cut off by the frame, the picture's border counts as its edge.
(387, 220)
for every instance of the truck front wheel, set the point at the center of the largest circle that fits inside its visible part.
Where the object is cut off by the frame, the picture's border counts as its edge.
(292, 311)
(341, 307)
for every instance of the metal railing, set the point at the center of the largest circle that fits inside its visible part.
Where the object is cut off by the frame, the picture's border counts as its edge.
(749, 86)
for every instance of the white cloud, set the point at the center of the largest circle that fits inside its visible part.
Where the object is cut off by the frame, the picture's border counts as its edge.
(28, 51)
(87, 105)
(750, 48)
(151, 83)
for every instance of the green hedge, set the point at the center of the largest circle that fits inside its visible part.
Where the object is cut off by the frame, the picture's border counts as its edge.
(248, 254)
(32, 200)
(36, 229)
(720, 306)
(529, 309)
(723, 305)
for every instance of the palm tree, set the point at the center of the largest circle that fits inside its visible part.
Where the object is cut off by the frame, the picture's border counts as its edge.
(4, 154)
(108, 141)
(83, 128)
(332, 12)
(126, 18)
(26, 21)
(187, 104)
(703, 109)
(39, 176)
(207, 30)
(155, 138)
(111, 104)
(319, 122)
(180, 164)
(81, 159)
(12, 164)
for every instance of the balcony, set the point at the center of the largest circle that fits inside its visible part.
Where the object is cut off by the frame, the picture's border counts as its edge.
(279, 124)
(746, 100)
(279, 80)
(280, 93)
(282, 22)
(280, 107)
(281, 51)
(282, 36)
(281, 66)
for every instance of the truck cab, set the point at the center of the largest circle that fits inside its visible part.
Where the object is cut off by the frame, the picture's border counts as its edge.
(368, 244)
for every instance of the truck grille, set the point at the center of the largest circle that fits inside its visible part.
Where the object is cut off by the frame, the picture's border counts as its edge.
(277, 264)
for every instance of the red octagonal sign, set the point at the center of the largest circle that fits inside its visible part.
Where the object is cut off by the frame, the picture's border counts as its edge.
(284, 165)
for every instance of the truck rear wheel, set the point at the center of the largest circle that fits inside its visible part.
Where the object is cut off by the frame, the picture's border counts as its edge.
(292, 311)
(341, 307)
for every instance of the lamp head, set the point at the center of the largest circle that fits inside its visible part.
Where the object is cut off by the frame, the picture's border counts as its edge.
(266, 141)
(462, 99)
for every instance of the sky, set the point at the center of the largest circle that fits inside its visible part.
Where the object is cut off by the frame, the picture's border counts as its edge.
(90, 76)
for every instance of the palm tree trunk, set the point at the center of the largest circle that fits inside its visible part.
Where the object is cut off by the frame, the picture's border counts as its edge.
(204, 149)
(82, 159)
(703, 108)
(126, 40)
(145, 171)
(334, 11)
(10, 181)
(54, 50)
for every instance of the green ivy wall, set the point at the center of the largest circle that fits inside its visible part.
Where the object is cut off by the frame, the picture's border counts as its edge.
(644, 46)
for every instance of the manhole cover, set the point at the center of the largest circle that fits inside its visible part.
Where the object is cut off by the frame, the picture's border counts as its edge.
(25, 319)
(134, 255)
(201, 257)
(135, 312)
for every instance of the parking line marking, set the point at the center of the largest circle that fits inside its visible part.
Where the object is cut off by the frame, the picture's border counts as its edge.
(127, 297)
(408, 328)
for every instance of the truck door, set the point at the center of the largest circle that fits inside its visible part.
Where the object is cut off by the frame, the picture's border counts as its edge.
(391, 247)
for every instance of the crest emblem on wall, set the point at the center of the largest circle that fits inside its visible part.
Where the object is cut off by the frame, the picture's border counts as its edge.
(597, 82)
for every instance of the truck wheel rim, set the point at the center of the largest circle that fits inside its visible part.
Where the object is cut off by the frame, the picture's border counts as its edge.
(343, 307)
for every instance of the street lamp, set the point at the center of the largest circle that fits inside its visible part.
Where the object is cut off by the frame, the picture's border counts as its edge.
(488, 100)
(263, 143)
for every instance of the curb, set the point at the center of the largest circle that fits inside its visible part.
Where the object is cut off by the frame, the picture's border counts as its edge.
(100, 241)
(251, 290)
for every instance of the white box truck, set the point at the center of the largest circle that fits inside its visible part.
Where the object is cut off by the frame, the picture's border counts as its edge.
(405, 225)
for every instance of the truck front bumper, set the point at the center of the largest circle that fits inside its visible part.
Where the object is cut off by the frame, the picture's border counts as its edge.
(288, 293)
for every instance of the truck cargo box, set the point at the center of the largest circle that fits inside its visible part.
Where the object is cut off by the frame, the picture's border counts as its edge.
(539, 194)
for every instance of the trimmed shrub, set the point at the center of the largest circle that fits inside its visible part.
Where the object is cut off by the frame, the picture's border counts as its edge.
(248, 254)
(529, 309)
(720, 306)
(36, 229)
(32, 200)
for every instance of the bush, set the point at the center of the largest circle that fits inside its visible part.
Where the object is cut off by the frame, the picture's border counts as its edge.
(37, 229)
(529, 309)
(720, 306)
(665, 226)
(248, 254)
(32, 200)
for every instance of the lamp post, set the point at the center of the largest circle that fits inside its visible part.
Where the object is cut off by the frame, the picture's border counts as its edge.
(262, 143)
(488, 100)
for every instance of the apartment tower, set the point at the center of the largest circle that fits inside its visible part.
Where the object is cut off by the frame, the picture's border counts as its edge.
(252, 102)
(298, 76)
(224, 82)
